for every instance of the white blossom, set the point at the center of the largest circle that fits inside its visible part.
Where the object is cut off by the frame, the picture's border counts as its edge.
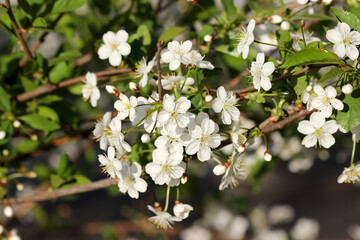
(350, 174)
(173, 140)
(298, 37)
(162, 219)
(307, 97)
(261, 71)
(347, 88)
(219, 169)
(345, 40)
(225, 103)
(145, 138)
(204, 137)
(101, 129)
(279, 214)
(285, 26)
(16, 124)
(276, 19)
(2, 134)
(317, 130)
(267, 156)
(176, 82)
(194, 58)
(131, 181)
(305, 229)
(182, 210)
(116, 137)
(126, 107)
(13, 235)
(325, 100)
(111, 165)
(235, 172)
(246, 38)
(174, 53)
(145, 113)
(165, 166)
(8, 211)
(133, 86)
(195, 233)
(114, 47)
(143, 69)
(90, 89)
(208, 98)
(207, 38)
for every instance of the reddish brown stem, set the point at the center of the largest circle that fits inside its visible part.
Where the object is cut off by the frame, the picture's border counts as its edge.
(159, 48)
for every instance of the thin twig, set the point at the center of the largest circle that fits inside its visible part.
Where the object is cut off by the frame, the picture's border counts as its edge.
(159, 48)
(18, 30)
(39, 42)
(104, 183)
(49, 87)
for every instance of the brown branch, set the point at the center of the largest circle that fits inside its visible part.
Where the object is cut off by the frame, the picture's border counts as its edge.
(159, 48)
(49, 87)
(39, 42)
(100, 184)
(84, 59)
(17, 30)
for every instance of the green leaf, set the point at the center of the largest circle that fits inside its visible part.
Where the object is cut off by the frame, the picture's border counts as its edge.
(60, 72)
(39, 22)
(171, 32)
(27, 146)
(310, 56)
(285, 42)
(30, 67)
(75, 181)
(4, 100)
(229, 9)
(333, 73)
(197, 100)
(66, 168)
(206, 30)
(144, 33)
(48, 113)
(7, 126)
(3, 10)
(65, 56)
(49, 98)
(312, 16)
(347, 17)
(56, 181)
(349, 117)
(66, 5)
(39, 122)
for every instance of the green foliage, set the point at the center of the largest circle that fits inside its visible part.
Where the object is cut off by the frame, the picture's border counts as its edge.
(144, 33)
(4, 100)
(171, 32)
(61, 6)
(349, 117)
(334, 72)
(39, 122)
(230, 10)
(348, 17)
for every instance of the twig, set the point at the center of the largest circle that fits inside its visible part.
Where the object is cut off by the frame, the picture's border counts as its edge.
(18, 30)
(49, 87)
(39, 42)
(61, 192)
(159, 48)
(84, 59)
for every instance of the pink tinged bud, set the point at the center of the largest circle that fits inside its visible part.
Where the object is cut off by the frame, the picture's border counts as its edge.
(145, 138)
(8, 211)
(111, 89)
(347, 89)
(208, 98)
(267, 156)
(133, 86)
(184, 178)
(276, 19)
(219, 170)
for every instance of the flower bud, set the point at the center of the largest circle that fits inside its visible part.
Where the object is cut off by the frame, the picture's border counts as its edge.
(219, 170)
(157, 206)
(267, 156)
(241, 148)
(31, 174)
(133, 86)
(5, 152)
(308, 88)
(347, 89)
(112, 90)
(208, 38)
(184, 178)
(276, 19)
(8, 211)
(2, 135)
(326, 2)
(145, 138)
(34, 137)
(302, 23)
(208, 98)
(285, 26)
(19, 186)
(16, 124)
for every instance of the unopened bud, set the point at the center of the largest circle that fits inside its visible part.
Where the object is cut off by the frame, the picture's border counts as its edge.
(208, 38)
(5, 152)
(285, 26)
(31, 174)
(16, 124)
(302, 23)
(157, 206)
(177, 202)
(2, 135)
(219, 170)
(326, 2)
(309, 88)
(347, 89)
(133, 86)
(275, 19)
(112, 90)
(208, 98)
(34, 137)
(8, 211)
(241, 148)
(19, 186)
(184, 178)
(145, 138)
(267, 156)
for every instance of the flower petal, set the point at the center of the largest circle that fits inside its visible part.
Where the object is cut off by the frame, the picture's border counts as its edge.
(115, 59)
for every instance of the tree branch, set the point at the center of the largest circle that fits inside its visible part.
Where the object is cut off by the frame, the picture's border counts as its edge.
(159, 48)
(49, 87)
(18, 30)
(100, 184)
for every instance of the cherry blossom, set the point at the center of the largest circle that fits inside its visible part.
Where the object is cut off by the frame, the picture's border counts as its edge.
(114, 47)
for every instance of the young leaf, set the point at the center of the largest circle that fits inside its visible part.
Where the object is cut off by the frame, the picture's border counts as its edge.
(144, 33)
(39, 122)
(4, 100)
(66, 168)
(229, 9)
(333, 73)
(3, 10)
(347, 17)
(65, 56)
(171, 32)
(66, 5)
(349, 117)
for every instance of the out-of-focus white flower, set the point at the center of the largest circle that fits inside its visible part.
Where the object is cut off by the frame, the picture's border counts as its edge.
(298, 37)
(162, 219)
(126, 107)
(195, 233)
(301, 164)
(235, 172)
(208, 38)
(16, 124)
(133, 86)
(146, 114)
(279, 214)
(246, 38)
(194, 58)
(261, 71)
(116, 137)
(111, 165)
(276, 19)
(131, 181)
(354, 232)
(182, 210)
(13, 235)
(347, 88)
(305, 229)
(101, 128)
(271, 235)
(267, 156)
(350, 174)
(317, 130)
(145, 138)
(325, 100)
(219, 169)
(265, 33)
(237, 228)
(8, 211)
(285, 25)
(326, 2)
(225, 103)
(356, 133)
(176, 82)
(165, 166)
(2, 135)
(308, 95)
(143, 69)
(115, 46)
(208, 98)
(204, 137)
(345, 40)
(90, 89)
(174, 53)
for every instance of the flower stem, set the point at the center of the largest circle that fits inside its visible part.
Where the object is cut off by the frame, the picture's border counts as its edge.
(274, 45)
(353, 151)
(303, 36)
(167, 198)
(177, 193)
